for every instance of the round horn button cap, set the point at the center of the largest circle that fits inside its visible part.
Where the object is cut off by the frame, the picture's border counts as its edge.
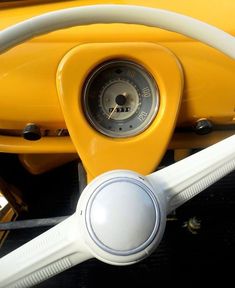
(123, 216)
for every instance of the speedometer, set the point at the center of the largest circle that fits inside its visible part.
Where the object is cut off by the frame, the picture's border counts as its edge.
(120, 98)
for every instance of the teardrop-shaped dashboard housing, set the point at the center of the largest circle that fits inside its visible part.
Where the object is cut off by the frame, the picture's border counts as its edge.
(98, 152)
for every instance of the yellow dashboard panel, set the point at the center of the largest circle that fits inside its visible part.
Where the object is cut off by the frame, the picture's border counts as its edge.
(28, 75)
(209, 89)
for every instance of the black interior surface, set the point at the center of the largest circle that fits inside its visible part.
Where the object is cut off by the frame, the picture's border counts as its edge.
(185, 257)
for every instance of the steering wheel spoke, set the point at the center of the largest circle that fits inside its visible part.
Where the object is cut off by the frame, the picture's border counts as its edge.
(185, 179)
(52, 252)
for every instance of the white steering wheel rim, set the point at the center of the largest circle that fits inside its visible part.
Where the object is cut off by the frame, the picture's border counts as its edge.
(129, 14)
(65, 245)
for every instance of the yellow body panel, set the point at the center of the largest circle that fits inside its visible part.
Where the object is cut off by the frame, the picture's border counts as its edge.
(19, 145)
(40, 163)
(28, 72)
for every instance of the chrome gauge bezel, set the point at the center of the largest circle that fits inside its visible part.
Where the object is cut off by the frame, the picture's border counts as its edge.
(132, 125)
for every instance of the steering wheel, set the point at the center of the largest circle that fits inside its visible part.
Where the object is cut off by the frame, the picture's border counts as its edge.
(105, 226)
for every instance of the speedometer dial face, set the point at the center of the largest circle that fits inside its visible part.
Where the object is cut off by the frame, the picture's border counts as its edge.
(120, 98)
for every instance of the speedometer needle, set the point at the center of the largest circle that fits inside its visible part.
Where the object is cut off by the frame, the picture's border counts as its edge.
(110, 115)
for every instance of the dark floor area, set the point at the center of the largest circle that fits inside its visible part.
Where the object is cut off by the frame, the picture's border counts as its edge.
(183, 258)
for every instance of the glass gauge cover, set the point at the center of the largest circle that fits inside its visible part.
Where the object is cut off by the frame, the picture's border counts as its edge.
(120, 98)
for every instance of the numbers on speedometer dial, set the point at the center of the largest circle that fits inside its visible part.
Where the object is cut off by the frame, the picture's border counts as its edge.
(120, 98)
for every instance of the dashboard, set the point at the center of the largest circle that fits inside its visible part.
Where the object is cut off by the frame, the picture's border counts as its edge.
(117, 90)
